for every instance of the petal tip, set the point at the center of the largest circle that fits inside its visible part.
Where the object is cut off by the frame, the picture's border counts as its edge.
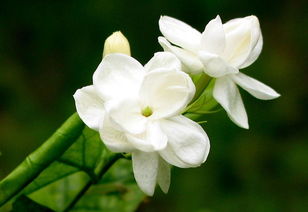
(242, 124)
(218, 18)
(163, 41)
(75, 95)
(148, 193)
(254, 20)
(162, 17)
(253, 17)
(165, 190)
(274, 96)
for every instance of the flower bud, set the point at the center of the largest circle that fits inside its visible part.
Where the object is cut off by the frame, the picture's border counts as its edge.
(116, 43)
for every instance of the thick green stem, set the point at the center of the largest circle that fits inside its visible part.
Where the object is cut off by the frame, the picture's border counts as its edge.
(100, 174)
(37, 161)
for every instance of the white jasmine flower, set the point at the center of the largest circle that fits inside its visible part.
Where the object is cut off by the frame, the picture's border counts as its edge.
(220, 51)
(138, 109)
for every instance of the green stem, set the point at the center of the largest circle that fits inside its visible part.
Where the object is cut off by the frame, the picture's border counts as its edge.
(101, 172)
(37, 161)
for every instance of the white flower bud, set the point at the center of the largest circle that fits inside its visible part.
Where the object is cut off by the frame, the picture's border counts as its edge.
(116, 43)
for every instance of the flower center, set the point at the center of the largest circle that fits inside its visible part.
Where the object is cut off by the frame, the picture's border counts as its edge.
(147, 111)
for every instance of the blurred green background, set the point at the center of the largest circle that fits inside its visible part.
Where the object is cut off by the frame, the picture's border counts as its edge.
(48, 49)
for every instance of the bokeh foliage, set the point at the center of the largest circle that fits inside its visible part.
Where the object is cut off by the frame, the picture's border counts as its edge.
(48, 49)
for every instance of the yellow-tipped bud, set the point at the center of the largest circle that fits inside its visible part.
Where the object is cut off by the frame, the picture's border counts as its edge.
(116, 43)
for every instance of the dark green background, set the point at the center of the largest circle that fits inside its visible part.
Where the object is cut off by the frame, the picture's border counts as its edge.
(48, 49)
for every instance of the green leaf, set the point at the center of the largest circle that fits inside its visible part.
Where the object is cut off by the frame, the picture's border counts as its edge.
(60, 193)
(41, 158)
(205, 103)
(117, 191)
(25, 204)
(75, 173)
(53, 173)
(84, 155)
(86, 151)
(70, 173)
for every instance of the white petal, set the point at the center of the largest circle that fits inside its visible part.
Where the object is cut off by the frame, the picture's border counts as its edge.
(170, 156)
(127, 114)
(164, 175)
(190, 62)
(89, 106)
(228, 96)
(156, 136)
(145, 166)
(114, 138)
(213, 37)
(242, 36)
(215, 66)
(118, 76)
(188, 144)
(254, 54)
(255, 87)
(153, 139)
(166, 92)
(163, 60)
(180, 33)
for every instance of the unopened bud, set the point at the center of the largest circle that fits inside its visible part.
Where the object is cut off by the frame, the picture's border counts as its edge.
(116, 43)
